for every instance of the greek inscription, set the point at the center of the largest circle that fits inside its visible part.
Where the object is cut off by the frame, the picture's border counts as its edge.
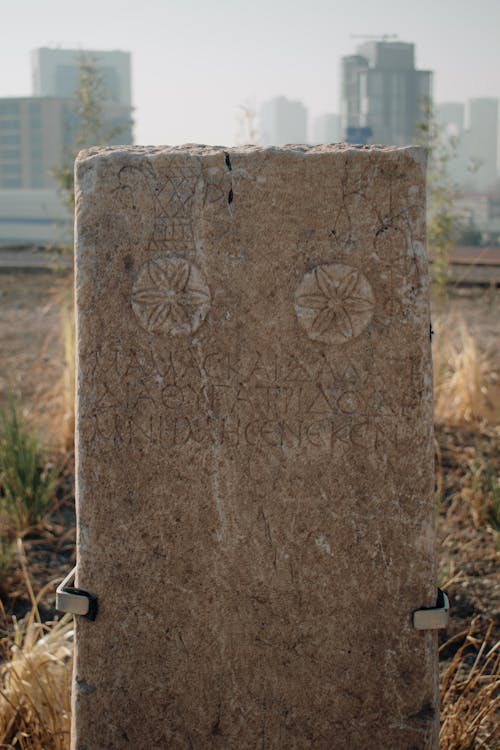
(178, 396)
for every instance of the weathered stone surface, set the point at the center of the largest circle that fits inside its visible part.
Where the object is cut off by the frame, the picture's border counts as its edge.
(255, 482)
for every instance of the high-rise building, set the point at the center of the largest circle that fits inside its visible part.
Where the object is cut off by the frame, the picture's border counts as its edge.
(326, 129)
(283, 121)
(33, 131)
(450, 116)
(480, 142)
(382, 92)
(473, 162)
(56, 72)
(38, 133)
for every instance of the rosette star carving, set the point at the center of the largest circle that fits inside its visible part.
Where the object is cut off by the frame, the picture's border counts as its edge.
(334, 303)
(170, 295)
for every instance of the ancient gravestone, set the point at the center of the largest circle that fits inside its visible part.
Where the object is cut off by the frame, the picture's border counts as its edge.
(255, 486)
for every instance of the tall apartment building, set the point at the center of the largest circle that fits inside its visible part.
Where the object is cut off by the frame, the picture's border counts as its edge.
(474, 164)
(56, 72)
(481, 141)
(326, 129)
(36, 132)
(33, 133)
(382, 91)
(450, 116)
(283, 121)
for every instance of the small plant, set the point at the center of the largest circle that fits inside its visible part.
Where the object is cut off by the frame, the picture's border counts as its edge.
(26, 479)
(90, 127)
(485, 496)
(442, 215)
(6, 552)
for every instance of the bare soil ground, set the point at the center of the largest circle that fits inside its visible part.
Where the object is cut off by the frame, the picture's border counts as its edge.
(31, 367)
(31, 344)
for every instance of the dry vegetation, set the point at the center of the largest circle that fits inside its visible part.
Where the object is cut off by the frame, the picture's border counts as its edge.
(37, 344)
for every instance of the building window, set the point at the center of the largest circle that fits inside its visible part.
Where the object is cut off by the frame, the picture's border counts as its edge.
(11, 182)
(9, 108)
(9, 124)
(11, 169)
(10, 153)
(10, 140)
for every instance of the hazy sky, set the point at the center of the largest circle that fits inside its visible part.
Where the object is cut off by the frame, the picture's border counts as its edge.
(195, 61)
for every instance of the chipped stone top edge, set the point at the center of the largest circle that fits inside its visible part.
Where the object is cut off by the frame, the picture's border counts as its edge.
(418, 153)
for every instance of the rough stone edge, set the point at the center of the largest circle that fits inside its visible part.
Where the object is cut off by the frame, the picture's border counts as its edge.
(418, 153)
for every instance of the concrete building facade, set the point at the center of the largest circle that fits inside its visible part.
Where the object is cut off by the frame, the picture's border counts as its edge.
(38, 133)
(56, 72)
(326, 129)
(33, 134)
(480, 142)
(474, 164)
(33, 217)
(383, 91)
(451, 116)
(283, 121)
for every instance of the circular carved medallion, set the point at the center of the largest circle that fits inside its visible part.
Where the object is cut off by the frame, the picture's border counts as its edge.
(170, 296)
(334, 303)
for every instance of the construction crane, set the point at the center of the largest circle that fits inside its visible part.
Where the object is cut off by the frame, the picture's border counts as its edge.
(375, 37)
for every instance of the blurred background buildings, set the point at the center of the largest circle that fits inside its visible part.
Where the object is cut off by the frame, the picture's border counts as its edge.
(384, 99)
(283, 121)
(39, 132)
(383, 95)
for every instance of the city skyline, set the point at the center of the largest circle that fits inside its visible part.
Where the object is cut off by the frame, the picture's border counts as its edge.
(193, 65)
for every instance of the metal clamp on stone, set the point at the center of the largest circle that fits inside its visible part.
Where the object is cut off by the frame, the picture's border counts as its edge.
(76, 601)
(433, 618)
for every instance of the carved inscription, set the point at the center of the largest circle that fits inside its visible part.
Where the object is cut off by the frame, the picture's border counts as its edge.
(170, 296)
(164, 398)
(334, 303)
(164, 216)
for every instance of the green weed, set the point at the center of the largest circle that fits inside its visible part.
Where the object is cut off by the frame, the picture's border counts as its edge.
(486, 495)
(7, 552)
(26, 478)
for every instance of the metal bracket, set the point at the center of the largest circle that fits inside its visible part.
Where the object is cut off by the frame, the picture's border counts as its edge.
(76, 601)
(433, 618)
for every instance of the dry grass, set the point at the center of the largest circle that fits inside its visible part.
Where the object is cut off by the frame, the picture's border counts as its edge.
(470, 693)
(35, 680)
(464, 375)
(35, 712)
(35, 676)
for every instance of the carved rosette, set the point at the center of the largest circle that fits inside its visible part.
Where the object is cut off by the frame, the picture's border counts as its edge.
(170, 295)
(334, 303)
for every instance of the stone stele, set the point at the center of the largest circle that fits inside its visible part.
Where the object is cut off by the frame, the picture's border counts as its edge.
(254, 449)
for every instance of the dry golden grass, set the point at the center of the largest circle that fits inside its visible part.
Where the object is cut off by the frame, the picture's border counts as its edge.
(35, 712)
(35, 677)
(35, 680)
(464, 375)
(470, 693)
